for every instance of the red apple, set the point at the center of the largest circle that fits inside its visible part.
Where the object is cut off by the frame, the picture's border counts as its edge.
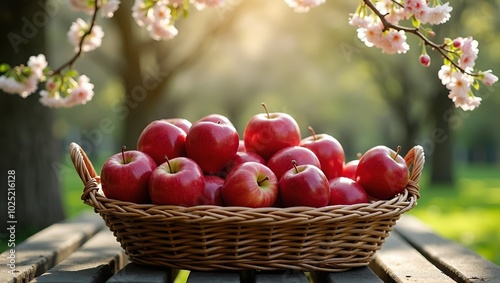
(304, 185)
(216, 118)
(161, 138)
(250, 184)
(125, 176)
(281, 161)
(178, 181)
(212, 144)
(346, 191)
(212, 194)
(266, 133)
(182, 123)
(241, 146)
(349, 170)
(382, 172)
(242, 157)
(329, 152)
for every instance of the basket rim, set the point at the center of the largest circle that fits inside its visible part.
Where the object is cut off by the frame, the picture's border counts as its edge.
(93, 196)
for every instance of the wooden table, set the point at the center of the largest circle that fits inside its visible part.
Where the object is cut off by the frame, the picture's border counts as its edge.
(83, 250)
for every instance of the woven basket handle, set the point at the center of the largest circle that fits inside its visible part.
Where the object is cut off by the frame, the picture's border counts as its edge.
(82, 163)
(415, 160)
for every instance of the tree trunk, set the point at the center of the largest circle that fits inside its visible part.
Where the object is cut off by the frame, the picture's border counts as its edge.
(440, 150)
(28, 147)
(142, 91)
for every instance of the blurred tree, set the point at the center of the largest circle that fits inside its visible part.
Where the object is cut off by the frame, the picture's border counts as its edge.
(148, 67)
(28, 146)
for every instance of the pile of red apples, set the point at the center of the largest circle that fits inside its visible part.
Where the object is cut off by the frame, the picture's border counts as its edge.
(207, 163)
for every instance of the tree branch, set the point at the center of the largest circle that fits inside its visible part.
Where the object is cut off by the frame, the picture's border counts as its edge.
(441, 48)
(77, 55)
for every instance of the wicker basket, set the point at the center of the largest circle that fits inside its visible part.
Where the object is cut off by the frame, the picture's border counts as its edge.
(332, 238)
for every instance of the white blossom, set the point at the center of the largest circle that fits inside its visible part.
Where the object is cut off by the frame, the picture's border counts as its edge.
(91, 41)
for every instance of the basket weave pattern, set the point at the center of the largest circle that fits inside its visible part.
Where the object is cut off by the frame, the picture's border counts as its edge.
(332, 238)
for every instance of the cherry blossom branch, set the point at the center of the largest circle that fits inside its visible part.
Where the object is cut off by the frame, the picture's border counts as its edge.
(79, 53)
(416, 31)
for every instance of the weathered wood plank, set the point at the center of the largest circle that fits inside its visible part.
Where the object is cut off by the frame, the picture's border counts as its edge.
(457, 261)
(355, 275)
(213, 277)
(96, 261)
(50, 246)
(284, 276)
(397, 261)
(142, 274)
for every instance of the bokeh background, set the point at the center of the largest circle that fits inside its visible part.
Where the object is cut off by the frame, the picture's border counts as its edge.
(229, 60)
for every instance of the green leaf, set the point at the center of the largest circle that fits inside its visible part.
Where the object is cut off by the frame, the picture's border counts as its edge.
(415, 22)
(4, 67)
(475, 84)
(71, 73)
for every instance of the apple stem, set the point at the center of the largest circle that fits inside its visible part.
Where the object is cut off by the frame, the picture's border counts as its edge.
(265, 108)
(168, 163)
(398, 149)
(262, 181)
(313, 133)
(294, 163)
(123, 154)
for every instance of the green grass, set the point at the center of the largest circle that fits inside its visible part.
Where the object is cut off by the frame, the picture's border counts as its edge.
(467, 212)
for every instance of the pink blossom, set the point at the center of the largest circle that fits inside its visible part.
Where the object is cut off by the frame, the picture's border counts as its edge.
(80, 93)
(91, 41)
(24, 88)
(470, 50)
(362, 22)
(397, 42)
(460, 92)
(160, 30)
(37, 64)
(418, 8)
(161, 12)
(54, 101)
(82, 5)
(488, 78)
(445, 74)
(141, 14)
(425, 60)
(438, 14)
(301, 6)
(202, 4)
(109, 7)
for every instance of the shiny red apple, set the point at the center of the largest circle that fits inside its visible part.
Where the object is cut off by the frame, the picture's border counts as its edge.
(242, 157)
(161, 138)
(329, 152)
(125, 176)
(266, 133)
(212, 144)
(216, 118)
(212, 194)
(349, 169)
(304, 185)
(346, 191)
(182, 123)
(382, 172)
(177, 181)
(250, 184)
(281, 161)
